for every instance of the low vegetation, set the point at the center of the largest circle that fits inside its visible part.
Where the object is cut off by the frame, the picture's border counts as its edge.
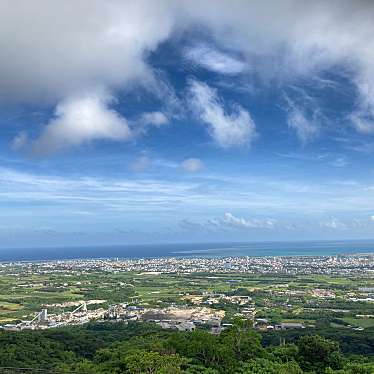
(132, 348)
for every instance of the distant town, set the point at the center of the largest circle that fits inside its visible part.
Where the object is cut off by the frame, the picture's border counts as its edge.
(340, 264)
(272, 293)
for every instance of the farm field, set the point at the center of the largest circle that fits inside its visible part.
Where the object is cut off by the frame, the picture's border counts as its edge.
(276, 297)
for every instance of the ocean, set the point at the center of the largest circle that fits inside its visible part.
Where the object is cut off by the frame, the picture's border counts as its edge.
(255, 249)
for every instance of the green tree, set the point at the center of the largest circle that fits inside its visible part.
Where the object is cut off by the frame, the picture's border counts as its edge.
(285, 353)
(204, 348)
(245, 343)
(265, 366)
(141, 361)
(84, 367)
(317, 353)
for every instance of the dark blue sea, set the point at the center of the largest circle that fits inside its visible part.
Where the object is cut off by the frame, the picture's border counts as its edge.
(304, 248)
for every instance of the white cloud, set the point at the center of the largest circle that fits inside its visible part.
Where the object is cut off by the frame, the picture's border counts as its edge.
(334, 224)
(306, 126)
(231, 220)
(62, 54)
(212, 59)
(89, 193)
(372, 218)
(363, 120)
(52, 51)
(156, 119)
(55, 51)
(286, 40)
(81, 120)
(226, 129)
(192, 165)
(363, 117)
(289, 201)
(147, 120)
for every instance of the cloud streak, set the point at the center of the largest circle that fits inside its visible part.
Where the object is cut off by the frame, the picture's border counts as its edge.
(230, 220)
(214, 60)
(203, 194)
(306, 128)
(227, 129)
(192, 165)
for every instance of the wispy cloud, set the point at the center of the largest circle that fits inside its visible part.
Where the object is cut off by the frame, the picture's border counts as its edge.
(192, 165)
(212, 59)
(334, 224)
(331, 159)
(89, 192)
(230, 220)
(227, 129)
(294, 204)
(305, 125)
(149, 119)
(104, 47)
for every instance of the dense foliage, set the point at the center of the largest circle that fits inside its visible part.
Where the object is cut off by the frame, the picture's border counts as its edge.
(144, 348)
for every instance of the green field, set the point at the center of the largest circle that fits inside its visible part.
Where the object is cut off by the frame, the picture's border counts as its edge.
(323, 304)
(359, 322)
(275, 297)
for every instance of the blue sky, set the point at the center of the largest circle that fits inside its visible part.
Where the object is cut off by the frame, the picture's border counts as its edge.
(139, 122)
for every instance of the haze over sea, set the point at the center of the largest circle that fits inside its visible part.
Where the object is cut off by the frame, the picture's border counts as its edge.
(256, 249)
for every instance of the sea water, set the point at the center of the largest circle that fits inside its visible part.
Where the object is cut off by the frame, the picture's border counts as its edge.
(296, 248)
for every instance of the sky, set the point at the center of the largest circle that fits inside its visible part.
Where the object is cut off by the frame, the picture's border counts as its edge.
(126, 122)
